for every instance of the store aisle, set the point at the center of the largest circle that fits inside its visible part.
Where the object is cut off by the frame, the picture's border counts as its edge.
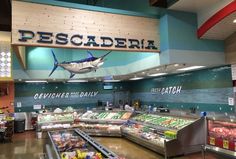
(130, 150)
(127, 149)
(27, 146)
(23, 146)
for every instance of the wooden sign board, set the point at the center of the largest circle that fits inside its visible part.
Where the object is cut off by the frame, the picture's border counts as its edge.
(53, 26)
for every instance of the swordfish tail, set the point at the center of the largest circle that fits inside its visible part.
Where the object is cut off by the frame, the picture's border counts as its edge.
(55, 63)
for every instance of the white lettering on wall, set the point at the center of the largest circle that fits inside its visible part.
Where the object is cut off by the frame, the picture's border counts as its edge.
(167, 90)
(64, 95)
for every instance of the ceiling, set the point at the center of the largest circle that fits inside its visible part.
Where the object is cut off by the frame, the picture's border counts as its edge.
(223, 29)
(219, 30)
(5, 15)
(144, 74)
(192, 5)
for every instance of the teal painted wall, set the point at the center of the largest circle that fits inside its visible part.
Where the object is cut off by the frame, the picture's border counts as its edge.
(40, 58)
(205, 90)
(179, 31)
(28, 94)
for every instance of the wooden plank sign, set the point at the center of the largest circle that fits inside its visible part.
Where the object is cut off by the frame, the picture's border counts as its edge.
(53, 26)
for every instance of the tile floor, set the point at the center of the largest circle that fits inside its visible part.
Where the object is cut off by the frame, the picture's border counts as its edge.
(27, 146)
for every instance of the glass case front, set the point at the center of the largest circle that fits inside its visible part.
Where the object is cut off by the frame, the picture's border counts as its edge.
(222, 134)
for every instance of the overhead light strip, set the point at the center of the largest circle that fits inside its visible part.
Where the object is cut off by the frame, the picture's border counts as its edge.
(157, 74)
(190, 68)
(38, 81)
(111, 81)
(136, 78)
(77, 81)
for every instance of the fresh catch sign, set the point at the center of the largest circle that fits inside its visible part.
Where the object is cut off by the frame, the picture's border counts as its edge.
(76, 28)
(167, 90)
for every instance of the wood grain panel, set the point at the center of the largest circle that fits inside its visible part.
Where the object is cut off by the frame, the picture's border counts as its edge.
(230, 49)
(46, 18)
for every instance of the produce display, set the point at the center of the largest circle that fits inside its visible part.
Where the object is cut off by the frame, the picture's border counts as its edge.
(170, 134)
(99, 127)
(71, 146)
(164, 121)
(144, 132)
(53, 117)
(56, 126)
(106, 115)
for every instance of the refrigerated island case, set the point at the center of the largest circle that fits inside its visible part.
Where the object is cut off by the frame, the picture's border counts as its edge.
(54, 121)
(221, 135)
(102, 123)
(166, 134)
(76, 144)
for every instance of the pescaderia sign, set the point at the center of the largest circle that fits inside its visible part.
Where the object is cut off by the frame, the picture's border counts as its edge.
(57, 95)
(88, 41)
(84, 29)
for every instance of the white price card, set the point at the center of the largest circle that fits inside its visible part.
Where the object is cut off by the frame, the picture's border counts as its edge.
(18, 104)
(36, 107)
(230, 101)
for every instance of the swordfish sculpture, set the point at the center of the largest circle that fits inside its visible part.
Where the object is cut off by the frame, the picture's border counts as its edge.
(86, 65)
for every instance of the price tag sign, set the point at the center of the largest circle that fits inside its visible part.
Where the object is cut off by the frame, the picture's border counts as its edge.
(225, 144)
(212, 141)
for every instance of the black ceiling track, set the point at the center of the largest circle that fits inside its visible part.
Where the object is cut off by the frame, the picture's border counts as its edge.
(5, 15)
(158, 3)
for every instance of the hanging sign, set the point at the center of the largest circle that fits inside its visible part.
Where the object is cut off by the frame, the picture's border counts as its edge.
(53, 26)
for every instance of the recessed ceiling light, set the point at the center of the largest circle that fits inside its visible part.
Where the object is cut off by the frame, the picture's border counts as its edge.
(190, 68)
(234, 21)
(111, 81)
(136, 78)
(39, 81)
(77, 81)
(157, 74)
(176, 65)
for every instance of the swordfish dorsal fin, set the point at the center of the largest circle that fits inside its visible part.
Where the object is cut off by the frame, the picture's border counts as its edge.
(72, 75)
(90, 55)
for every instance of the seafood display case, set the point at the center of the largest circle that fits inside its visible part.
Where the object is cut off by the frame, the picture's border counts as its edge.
(166, 134)
(74, 144)
(221, 136)
(102, 123)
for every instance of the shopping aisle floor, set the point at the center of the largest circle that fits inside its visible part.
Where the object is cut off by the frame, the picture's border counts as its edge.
(130, 150)
(23, 146)
(27, 146)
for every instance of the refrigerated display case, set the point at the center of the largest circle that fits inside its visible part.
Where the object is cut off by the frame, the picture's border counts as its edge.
(221, 136)
(74, 144)
(166, 134)
(102, 123)
(54, 121)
